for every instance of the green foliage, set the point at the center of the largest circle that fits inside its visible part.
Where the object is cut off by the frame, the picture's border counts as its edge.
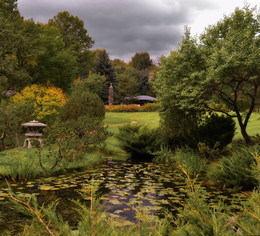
(23, 170)
(141, 61)
(191, 161)
(197, 218)
(22, 164)
(83, 103)
(186, 159)
(12, 115)
(76, 137)
(179, 128)
(72, 31)
(237, 170)
(221, 68)
(80, 126)
(15, 52)
(56, 64)
(31, 52)
(75, 38)
(103, 66)
(94, 83)
(127, 84)
(140, 142)
(217, 131)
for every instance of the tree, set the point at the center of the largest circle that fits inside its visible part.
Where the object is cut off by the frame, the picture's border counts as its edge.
(12, 115)
(219, 73)
(14, 39)
(119, 65)
(233, 77)
(141, 61)
(72, 31)
(46, 101)
(94, 83)
(56, 65)
(180, 114)
(127, 84)
(75, 37)
(9, 8)
(103, 66)
(80, 124)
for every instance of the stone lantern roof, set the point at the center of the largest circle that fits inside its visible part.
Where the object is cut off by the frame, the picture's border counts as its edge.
(34, 123)
(34, 126)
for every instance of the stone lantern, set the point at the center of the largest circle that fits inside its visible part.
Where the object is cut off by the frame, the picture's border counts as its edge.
(34, 129)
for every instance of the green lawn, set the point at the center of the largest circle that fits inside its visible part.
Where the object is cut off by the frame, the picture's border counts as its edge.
(152, 119)
(144, 118)
(253, 127)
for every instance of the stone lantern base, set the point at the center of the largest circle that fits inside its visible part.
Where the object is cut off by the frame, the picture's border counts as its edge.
(27, 143)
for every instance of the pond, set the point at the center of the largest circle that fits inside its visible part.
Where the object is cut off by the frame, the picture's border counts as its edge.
(122, 187)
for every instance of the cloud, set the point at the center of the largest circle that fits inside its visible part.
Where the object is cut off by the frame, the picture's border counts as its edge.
(124, 27)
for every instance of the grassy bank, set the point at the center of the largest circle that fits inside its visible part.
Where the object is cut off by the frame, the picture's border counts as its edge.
(22, 164)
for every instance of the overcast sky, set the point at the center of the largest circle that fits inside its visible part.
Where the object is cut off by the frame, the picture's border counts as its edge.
(124, 27)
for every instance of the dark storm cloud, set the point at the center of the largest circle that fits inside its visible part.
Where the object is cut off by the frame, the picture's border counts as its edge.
(124, 27)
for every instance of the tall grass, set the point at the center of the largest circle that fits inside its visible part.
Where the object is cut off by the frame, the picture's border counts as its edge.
(23, 170)
(27, 164)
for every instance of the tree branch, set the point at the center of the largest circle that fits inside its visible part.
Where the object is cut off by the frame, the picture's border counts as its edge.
(32, 210)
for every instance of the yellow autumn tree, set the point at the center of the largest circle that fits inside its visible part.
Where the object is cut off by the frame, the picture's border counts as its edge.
(46, 100)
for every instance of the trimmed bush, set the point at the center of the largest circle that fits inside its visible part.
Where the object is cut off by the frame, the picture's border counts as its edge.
(83, 103)
(140, 142)
(217, 131)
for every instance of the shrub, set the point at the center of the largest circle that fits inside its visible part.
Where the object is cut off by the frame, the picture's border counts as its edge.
(80, 127)
(132, 107)
(238, 170)
(149, 107)
(76, 137)
(83, 103)
(217, 131)
(179, 127)
(140, 142)
(46, 101)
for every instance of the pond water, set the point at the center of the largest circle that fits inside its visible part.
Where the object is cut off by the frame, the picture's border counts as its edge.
(122, 187)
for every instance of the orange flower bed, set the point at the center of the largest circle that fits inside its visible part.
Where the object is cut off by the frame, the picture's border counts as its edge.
(132, 107)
